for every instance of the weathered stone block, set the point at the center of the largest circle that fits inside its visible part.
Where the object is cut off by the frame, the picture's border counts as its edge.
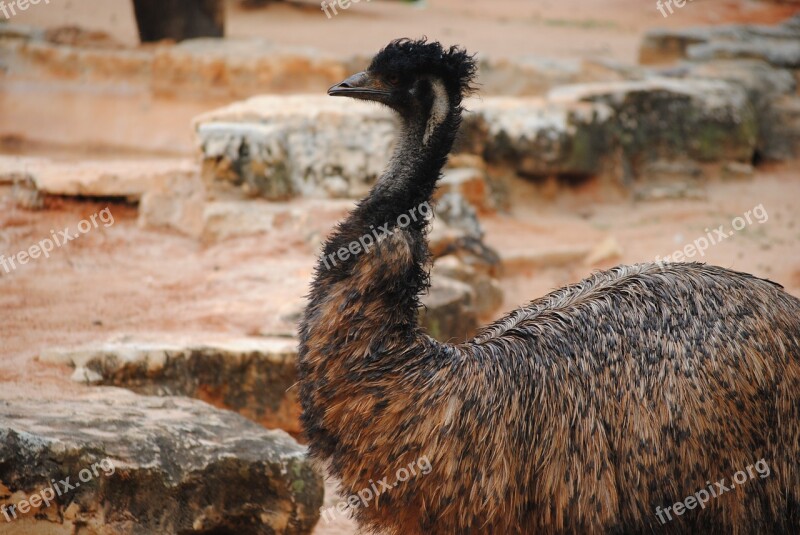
(768, 88)
(487, 296)
(662, 45)
(539, 137)
(674, 120)
(176, 203)
(252, 376)
(240, 68)
(471, 184)
(779, 45)
(150, 465)
(282, 147)
(101, 178)
(449, 313)
(231, 219)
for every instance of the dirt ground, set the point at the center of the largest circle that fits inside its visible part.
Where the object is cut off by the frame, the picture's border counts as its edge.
(124, 280)
(80, 113)
(498, 28)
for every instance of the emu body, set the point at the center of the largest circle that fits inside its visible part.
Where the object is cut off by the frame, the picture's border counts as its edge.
(582, 412)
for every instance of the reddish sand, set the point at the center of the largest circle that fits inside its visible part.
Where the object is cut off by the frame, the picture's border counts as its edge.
(123, 280)
(553, 28)
(122, 114)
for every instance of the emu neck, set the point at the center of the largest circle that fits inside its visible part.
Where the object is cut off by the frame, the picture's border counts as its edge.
(407, 185)
(413, 170)
(363, 303)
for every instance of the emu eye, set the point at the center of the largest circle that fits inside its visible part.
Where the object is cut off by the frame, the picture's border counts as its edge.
(393, 79)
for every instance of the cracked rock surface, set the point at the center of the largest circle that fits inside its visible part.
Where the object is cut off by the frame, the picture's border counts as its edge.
(148, 465)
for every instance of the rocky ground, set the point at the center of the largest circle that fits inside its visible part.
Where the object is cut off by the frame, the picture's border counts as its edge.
(122, 291)
(197, 210)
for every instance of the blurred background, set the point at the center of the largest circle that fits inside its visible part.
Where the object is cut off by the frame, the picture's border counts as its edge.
(190, 150)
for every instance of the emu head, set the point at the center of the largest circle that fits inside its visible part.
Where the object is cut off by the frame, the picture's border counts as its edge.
(421, 81)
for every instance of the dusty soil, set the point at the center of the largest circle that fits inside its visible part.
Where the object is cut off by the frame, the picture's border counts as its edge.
(122, 114)
(123, 280)
(499, 28)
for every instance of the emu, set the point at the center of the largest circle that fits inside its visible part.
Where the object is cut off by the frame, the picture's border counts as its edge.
(594, 409)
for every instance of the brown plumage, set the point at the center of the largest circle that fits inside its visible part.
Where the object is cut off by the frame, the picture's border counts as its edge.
(581, 412)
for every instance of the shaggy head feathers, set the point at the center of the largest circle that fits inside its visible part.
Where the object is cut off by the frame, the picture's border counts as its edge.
(407, 57)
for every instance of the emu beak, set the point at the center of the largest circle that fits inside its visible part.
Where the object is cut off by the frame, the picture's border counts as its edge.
(363, 86)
